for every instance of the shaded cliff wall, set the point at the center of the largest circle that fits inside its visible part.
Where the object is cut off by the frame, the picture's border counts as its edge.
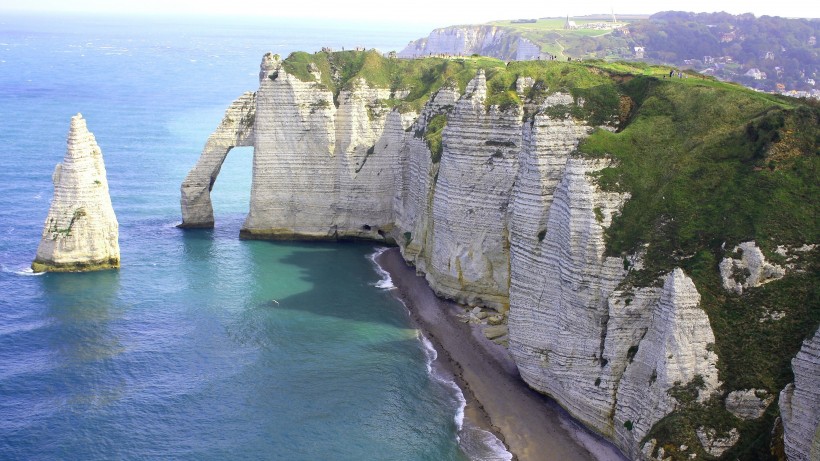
(800, 404)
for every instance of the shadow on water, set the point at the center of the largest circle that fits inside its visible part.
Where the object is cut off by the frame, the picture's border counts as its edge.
(341, 280)
(197, 245)
(83, 304)
(323, 336)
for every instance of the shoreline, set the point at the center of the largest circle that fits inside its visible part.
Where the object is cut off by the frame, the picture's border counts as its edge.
(531, 425)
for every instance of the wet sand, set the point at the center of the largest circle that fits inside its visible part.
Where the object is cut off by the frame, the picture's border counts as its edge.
(532, 426)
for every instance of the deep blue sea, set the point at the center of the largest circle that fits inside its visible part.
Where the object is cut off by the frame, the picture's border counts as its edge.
(202, 346)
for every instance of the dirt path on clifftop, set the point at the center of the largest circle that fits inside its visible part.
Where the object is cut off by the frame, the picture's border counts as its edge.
(533, 427)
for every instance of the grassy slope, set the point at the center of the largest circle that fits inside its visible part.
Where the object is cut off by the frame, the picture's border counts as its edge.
(706, 163)
(712, 165)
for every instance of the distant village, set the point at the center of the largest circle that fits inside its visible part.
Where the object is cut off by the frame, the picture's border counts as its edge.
(600, 25)
(720, 67)
(725, 68)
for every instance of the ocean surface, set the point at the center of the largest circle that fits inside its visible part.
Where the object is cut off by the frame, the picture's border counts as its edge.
(202, 346)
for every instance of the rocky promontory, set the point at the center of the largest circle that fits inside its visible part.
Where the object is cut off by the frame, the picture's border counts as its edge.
(605, 213)
(81, 230)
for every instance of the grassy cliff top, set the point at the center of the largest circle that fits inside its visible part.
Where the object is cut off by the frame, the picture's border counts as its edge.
(423, 77)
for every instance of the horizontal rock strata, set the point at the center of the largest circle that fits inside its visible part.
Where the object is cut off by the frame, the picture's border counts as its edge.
(470, 241)
(321, 171)
(81, 231)
(748, 404)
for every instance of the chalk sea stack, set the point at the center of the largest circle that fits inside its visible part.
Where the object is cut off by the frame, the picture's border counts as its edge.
(81, 230)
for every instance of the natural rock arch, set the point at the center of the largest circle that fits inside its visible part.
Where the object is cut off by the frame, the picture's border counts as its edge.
(235, 130)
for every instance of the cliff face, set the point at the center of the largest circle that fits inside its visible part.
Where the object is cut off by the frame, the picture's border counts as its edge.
(609, 356)
(321, 171)
(491, 41)
(489, 179)
(469, 258)
(800, 404)
(81, 230)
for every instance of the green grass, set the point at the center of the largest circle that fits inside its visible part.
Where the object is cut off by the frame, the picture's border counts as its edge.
(433, 136)
(710, 165)
(552, 24)
(551, 37)
(422, 77)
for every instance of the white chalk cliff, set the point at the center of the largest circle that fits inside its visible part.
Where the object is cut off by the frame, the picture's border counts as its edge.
(486, 40)
(509, 217)
(800, 404)
(81, 231)
(469, 258)
(607, 355)
(321, 171)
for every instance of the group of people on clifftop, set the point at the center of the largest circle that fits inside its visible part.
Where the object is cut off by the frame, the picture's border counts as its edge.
(672, 74)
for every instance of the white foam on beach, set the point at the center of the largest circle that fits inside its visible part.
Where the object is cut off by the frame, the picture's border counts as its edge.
(386, 282)
(481, 445)
(476, 443)
(431, 355)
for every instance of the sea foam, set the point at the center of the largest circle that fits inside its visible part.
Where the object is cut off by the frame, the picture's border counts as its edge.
(27, 272)
(431, 356)
(386, 282)
(476, 443)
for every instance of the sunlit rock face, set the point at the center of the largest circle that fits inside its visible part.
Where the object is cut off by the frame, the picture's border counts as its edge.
(469, 258)
(236, 129)
(467, 40)
(81, 231)
(321, 171)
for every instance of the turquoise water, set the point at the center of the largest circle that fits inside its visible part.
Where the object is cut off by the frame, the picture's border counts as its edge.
(202, 346)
